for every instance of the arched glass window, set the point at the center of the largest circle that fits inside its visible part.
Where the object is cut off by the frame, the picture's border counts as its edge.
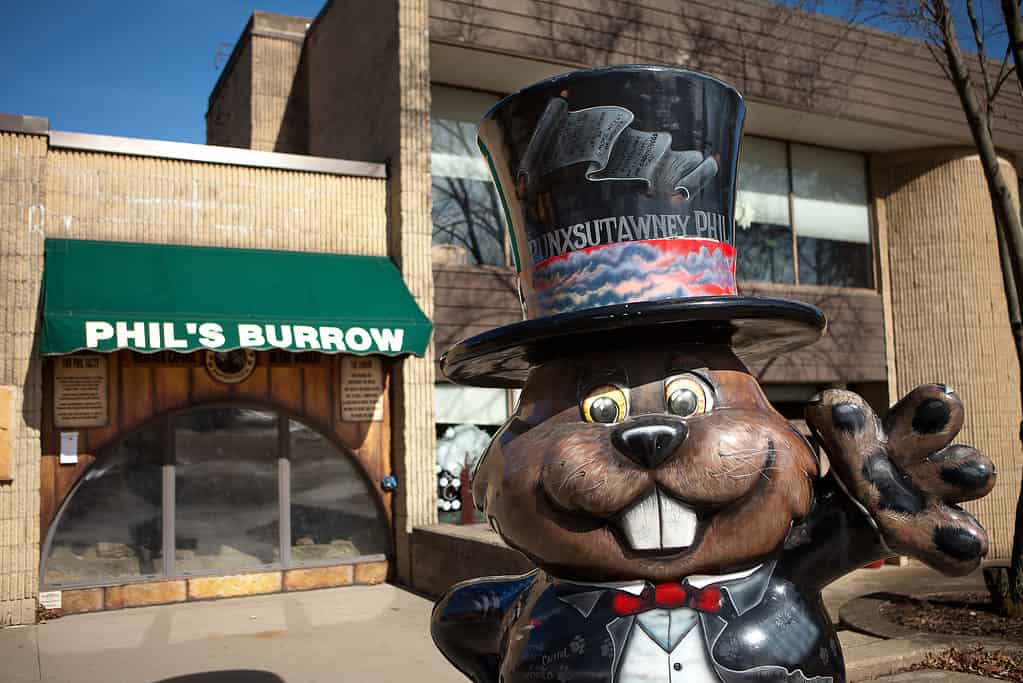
(244, 489)
(225, 490)
(111, 526)
(333, 514)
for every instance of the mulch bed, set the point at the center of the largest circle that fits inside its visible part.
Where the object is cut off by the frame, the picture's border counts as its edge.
(958, 614)
(979, 661)
(962, 614)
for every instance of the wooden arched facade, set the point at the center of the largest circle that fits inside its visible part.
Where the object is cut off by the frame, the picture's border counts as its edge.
(140, 388)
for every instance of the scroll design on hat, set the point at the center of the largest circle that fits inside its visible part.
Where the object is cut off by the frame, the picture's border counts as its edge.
(602, 138)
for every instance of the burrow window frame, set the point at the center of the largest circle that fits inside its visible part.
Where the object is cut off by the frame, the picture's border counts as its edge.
(169, 506)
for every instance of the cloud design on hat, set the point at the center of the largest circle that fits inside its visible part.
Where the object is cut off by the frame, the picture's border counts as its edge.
(628, 272)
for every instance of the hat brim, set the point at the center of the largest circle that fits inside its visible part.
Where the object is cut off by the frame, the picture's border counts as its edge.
(755, 328)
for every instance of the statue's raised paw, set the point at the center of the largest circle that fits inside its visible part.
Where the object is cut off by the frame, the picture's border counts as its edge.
(904, 472)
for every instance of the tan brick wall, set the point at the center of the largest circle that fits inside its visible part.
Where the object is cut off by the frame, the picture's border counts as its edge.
(278, 99)
(229, 117)
(410, 233)
(948, 317)
(375, 108)
(259, 100)
(121, 197)
(136, 199)
(22, 218)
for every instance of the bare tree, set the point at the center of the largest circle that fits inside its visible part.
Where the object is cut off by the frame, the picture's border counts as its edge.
(466, 16)
(774, 51)
(1014, 34)
(979, 81)
(591, 36)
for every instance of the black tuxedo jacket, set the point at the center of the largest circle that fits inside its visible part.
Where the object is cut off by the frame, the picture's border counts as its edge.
(773, 627)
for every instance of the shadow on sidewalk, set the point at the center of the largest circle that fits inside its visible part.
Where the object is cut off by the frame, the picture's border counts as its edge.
(227, 676)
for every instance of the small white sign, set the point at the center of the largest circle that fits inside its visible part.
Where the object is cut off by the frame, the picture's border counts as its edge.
(69, 448)
(50, 599)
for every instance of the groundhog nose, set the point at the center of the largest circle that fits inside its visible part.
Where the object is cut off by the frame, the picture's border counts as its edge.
(649, 441)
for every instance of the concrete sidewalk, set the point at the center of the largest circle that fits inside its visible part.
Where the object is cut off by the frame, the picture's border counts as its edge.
(357, 634)
(345, 635)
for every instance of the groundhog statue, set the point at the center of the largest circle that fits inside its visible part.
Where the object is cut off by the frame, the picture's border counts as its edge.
(682, 529)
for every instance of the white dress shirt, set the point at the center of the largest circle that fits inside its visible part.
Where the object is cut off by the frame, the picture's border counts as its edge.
(667, 645)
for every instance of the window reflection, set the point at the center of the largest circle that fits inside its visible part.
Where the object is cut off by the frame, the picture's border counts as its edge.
(823, 194)
(831, 215)
(763, 234)
(111, 526)
(466, 419)
(225, 490)
(333, 514)
(834, 262)
(466, 207)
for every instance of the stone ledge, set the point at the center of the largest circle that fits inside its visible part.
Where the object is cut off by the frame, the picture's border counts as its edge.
(82, 600)
(444, 554)
(167, 591)
(206, 587)
(145, 594)
(368, 573)
(318, 577)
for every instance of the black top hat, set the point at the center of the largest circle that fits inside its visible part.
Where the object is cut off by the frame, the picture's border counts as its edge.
(618, 186)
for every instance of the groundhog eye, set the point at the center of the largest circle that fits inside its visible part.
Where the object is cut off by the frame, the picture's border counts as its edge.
(687, 395)
(605, 404)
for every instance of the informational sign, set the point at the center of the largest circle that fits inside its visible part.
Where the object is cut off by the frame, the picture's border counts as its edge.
(362, 389)
(50, 599)
(80, 391)
(68, 448)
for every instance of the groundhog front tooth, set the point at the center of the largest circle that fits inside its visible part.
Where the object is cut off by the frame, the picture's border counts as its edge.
(658, 522)
(641, 524)
(678, 523)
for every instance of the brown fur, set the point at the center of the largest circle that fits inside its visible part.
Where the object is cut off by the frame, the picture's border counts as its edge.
(551, 482)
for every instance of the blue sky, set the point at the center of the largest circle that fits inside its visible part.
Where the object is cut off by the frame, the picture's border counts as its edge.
(138, 68)
(145, 68)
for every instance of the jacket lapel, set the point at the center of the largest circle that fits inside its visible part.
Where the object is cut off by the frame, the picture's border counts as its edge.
(619, 630)
(746, 593)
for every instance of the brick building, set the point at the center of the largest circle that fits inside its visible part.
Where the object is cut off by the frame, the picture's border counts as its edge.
(858, 192)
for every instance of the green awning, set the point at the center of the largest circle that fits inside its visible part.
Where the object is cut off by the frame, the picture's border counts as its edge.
(106, 296)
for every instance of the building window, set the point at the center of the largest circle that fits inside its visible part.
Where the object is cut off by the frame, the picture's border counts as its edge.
(763, 235)
(466, 419)
(111, 527)
(801, 211)
(802, 215)
(222, 489)
(467, 223)
(225, 490)
(333, 513)
(829, 205)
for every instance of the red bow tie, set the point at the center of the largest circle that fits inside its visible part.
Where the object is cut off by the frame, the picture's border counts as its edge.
(667, 596)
